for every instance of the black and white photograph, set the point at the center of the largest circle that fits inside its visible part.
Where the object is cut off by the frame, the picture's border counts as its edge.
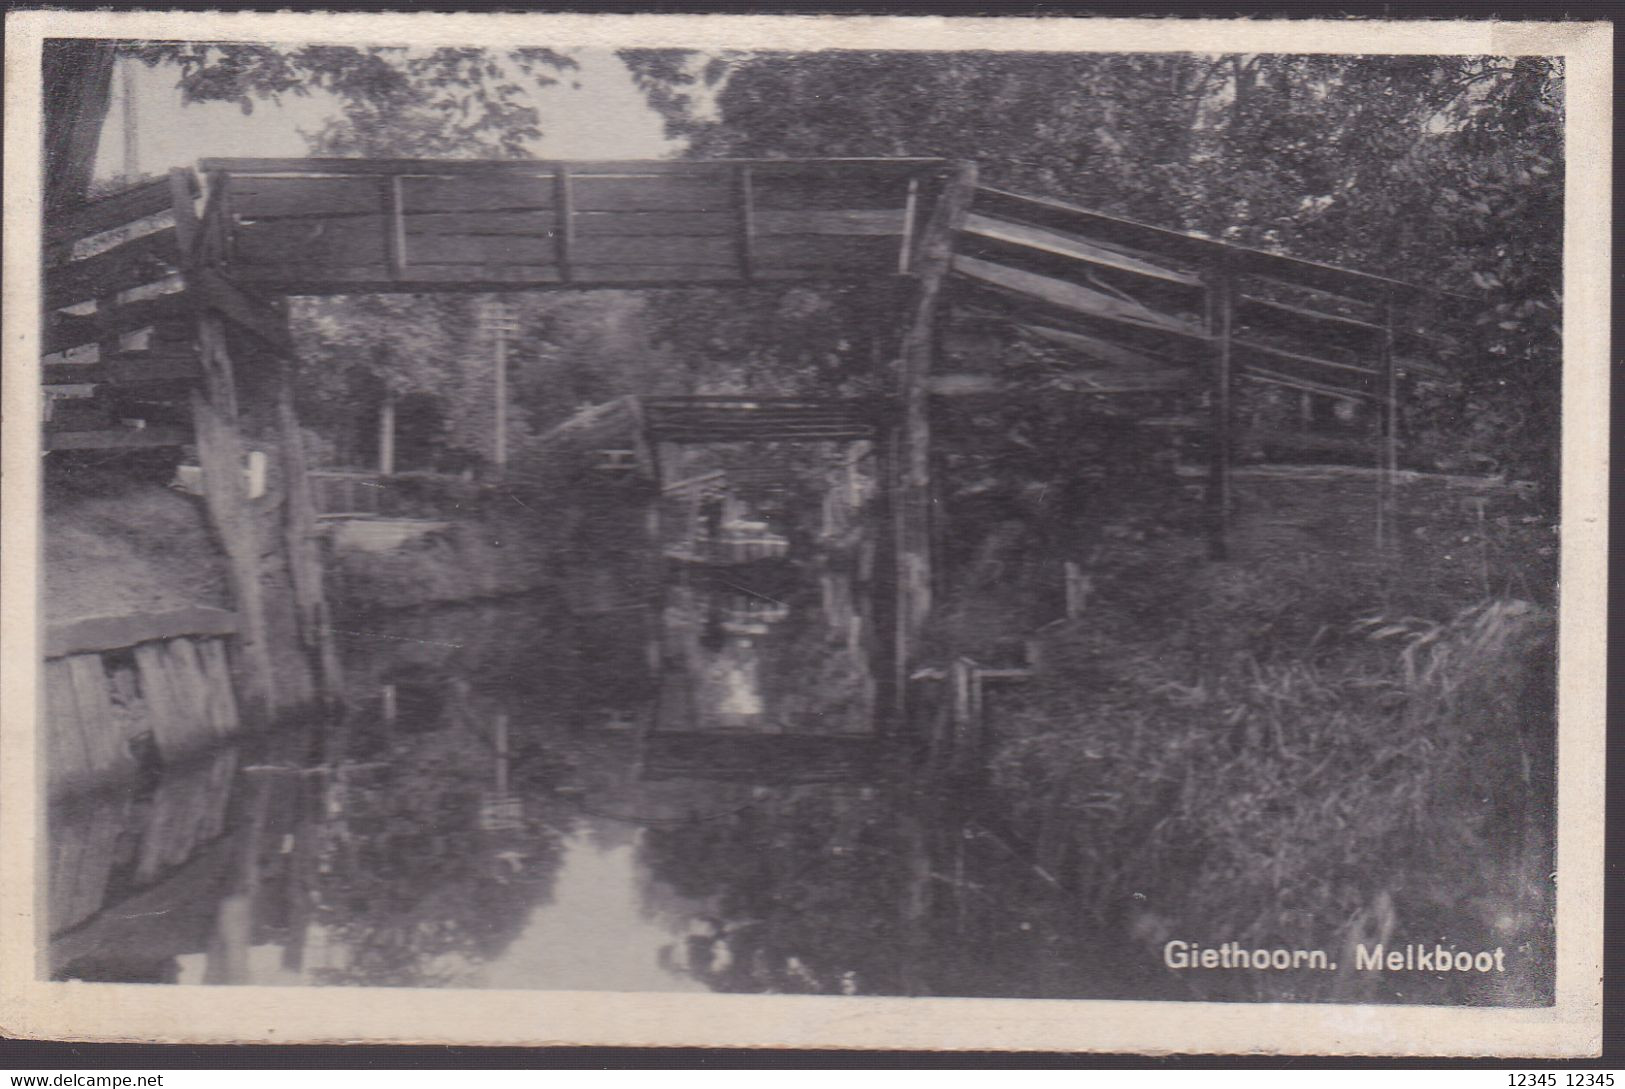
(659, 518)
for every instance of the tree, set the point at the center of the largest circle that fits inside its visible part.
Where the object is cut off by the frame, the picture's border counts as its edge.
(455, 100)
(1444, 171)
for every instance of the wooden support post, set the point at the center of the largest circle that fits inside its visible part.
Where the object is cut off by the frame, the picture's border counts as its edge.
(500, 431)
(386, 434)
(304, 554)
(565, 225)
(1388, 429)
(917, 346)
(744, 195)
(911, 205)
(220, 453)
(394, 223)
(1221, 300)
(185, 211)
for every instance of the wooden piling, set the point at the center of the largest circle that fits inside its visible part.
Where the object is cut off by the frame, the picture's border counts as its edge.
(163, 708)
(103, 739)
(220, 453)
(300, 538)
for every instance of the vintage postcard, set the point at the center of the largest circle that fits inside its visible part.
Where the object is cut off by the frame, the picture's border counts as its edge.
(1052, 534)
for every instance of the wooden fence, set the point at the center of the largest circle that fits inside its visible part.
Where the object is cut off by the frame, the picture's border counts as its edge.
(117, 317)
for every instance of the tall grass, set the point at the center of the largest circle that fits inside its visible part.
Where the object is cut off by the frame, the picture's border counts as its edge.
(1255, 760)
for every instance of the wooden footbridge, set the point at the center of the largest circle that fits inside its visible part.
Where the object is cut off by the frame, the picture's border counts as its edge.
(169, 315)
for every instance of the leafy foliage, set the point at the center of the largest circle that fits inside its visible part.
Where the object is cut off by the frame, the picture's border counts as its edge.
(1441, 170)
(450, 101)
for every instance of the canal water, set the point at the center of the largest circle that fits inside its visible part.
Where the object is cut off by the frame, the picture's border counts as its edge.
(665, 775)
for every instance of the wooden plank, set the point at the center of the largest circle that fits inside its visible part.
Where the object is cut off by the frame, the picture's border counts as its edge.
(269, 198)
(833, 189)
(295, 279)
(653, 194)
(141, 368)
(1042, 212)
(642, 224)
(163, 706)
(1311, 325)
(312, 242)
(103, 740)
(218, 715)
(1177, 244)
(217, 671)
(68, 763)
(1304, 385)
(1267, 355)
(127, 369)
(490, 194)
(242, 308)
(1067, 245)
(693, 438)
(117, 439)
(533, 251)
(102, 633)
(1365, 305)
(826, 252)
(127, 206)
(191, 689)
(298, 279)
(538, 224)
(64, 331)
(717, 250)
(1072, 296)
(885, 222)
(138, 261)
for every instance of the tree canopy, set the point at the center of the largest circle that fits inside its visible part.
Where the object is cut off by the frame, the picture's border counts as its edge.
(448, 102)
(1441, 170)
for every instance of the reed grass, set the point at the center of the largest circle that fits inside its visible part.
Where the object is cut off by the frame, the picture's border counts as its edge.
(1262, 759)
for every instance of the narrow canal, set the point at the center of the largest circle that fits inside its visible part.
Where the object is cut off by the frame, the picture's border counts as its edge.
(669, 773)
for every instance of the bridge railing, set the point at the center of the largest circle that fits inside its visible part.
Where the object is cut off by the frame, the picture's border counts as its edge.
(336, 225)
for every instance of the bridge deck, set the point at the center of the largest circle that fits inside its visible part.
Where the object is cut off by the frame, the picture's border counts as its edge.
(335, 226)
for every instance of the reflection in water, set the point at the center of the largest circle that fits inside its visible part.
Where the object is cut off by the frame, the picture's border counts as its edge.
(692, 787)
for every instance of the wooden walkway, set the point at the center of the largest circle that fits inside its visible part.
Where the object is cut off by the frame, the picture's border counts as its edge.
(763, 419)
(331, 226)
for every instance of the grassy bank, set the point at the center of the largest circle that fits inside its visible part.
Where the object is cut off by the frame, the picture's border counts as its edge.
(1293, 749)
